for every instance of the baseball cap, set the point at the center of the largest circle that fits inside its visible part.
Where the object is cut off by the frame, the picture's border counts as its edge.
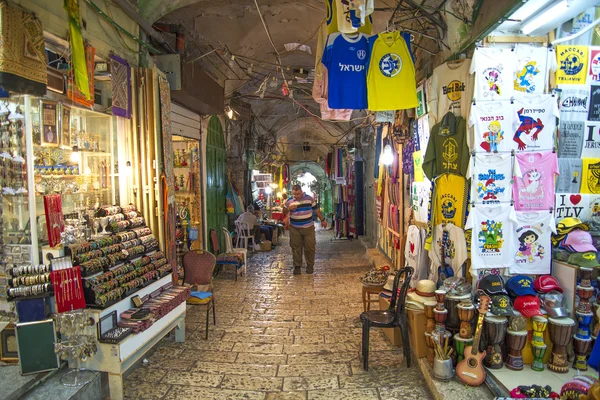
(554, 304)
(546, 283)
(594, 226)
(528, 306)
(520, 285)
(492, 284)
(584, 260)
(501, 305)
(578, 241)
(570, 223)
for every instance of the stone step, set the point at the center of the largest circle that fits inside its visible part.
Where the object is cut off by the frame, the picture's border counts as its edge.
(52, 388)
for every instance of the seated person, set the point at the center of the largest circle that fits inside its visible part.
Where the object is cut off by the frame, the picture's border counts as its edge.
(249, 218)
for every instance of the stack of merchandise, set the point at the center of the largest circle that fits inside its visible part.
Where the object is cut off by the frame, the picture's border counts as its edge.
(167, 301)
(574, 243)
(136, 319)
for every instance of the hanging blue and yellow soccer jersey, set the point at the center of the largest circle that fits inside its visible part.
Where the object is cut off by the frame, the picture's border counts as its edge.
(336, 13)
(391, 80)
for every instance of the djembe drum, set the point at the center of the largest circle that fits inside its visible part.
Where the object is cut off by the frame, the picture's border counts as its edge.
(466, 313)
(560, 331)
(440, 318)
(584, 293)
(538, 352)
(430, 349)
(584, 320)
(429, 314)
(495, 332)
(586, 276)
(515, 340)
(459, 345)
(581, 348)
(453, 320)
(539, 326)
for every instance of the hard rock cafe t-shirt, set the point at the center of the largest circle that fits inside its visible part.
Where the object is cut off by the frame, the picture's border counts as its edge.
(533, 68)
(450, 89)
(533, 255)
(490, 247)
(494, 123)
(494, 70)
(537, 122)
(534, 190)
(492, 178)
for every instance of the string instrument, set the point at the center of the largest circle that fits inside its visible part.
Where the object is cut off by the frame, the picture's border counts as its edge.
(470, 370)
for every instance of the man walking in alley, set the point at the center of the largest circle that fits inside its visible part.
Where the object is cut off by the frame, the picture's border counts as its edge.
(302, 228)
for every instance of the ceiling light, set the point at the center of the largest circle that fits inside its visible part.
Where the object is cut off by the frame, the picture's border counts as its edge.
(229, 112)
(548, 15)
(387, 158)
(268, 190)
(528, 9)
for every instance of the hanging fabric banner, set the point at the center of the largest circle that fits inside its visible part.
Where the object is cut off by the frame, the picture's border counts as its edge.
(73, 91)
(121, 86)
(22, 51)
(78, 54)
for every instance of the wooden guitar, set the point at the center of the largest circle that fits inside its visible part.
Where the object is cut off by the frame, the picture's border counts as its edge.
(470, 370)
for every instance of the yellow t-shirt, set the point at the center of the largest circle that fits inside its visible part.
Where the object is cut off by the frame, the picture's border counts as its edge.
(590, 180)
(335, 12)
(391, 81)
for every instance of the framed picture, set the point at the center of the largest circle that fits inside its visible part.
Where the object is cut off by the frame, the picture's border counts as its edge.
(65, 125)
(49, 134)
(8, 345)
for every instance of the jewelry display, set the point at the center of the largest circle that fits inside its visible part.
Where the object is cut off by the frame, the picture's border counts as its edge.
(67, 283)
(75, 344)
(29, 281)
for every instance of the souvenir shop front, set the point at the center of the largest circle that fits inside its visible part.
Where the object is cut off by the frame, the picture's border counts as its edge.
(489, 190)
(86, 277)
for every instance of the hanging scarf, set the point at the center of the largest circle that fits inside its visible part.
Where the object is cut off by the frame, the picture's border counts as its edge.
(78, 54)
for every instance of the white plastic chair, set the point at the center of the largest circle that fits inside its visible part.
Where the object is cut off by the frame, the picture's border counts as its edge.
(230, 249)
(243, 235)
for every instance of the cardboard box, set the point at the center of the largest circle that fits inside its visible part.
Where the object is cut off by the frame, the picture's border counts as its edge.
(416, 330)
(265, 245)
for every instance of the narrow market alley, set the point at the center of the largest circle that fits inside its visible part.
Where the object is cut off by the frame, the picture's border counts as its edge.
(280, 336)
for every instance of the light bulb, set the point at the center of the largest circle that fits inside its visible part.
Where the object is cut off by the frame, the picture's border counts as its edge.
(87, 171)
(268, 190)
(284, 190)
(75, 156)
(387, 158)
(279, 195)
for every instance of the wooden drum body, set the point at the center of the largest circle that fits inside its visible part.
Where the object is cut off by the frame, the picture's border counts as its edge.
(452, 302)
(466, 313)
(495, 332)
(459, 345)
(560, 331)
(581, 348)
(515, 341)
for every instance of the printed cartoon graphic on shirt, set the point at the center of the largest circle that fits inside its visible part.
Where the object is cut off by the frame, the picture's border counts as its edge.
(529, 248)
(493, 137)
(528, 124)
(533, 188)
(488, 189)
(493, 77)
(572, 64)
(594, 71)
(490, 237)
(524, 79)
(595, 207)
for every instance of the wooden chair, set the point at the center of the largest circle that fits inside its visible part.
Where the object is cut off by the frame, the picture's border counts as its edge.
(231, 257)
(199, 266)
(393, 317)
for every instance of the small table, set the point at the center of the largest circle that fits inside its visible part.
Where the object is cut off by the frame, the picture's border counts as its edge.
(367, 291)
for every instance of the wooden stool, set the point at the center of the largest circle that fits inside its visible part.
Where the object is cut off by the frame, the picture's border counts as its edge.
(367, 291)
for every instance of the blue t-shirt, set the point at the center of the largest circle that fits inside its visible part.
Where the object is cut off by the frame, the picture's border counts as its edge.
(346, 59)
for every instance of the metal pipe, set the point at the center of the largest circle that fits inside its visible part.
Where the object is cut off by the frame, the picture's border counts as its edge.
(121, 29)
(143, 23)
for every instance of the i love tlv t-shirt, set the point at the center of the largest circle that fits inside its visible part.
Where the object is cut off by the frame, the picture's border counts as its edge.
(346, 58)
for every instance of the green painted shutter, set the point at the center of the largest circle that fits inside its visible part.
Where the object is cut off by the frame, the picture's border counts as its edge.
(216, 181)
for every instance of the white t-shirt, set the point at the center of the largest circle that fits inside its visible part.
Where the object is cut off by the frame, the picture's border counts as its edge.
(450, 89)
(494, 69)
(574, 102)
(537, 122)
(494, 123)
(490, 248)
(449, 241)
(492, 178)
(248, 218)
(533, 254)
(534, 64)
(415, 254)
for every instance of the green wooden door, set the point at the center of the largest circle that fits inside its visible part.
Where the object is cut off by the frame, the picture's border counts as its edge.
(216, 181)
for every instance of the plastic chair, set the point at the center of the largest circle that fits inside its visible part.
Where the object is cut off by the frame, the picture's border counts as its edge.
(235, 259)
(230, 249)
(393, 317)
(199, 266)
(243, 235)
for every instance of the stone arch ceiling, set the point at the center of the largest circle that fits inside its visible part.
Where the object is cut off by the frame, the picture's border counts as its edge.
(234, 26)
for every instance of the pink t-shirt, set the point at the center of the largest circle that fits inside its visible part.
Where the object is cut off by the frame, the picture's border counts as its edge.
(535, 189)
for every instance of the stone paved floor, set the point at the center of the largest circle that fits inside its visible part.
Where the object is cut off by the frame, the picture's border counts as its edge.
(280, 336)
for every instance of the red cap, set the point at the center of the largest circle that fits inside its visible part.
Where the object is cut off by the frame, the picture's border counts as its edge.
(528, 306)
(546, 283)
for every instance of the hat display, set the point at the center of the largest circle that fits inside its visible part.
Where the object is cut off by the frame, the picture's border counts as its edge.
(520, 285)
(546, 283)
(578, 241)
(565, 226)
(560, 254)
(501, 305)
(584, 260)
(528, 306)
(554, 304)
(492, 284)
(456, 286)
(594, 226)
(425, 291)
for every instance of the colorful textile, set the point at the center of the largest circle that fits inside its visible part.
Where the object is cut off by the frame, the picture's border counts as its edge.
(22, 51)
(121, 86)
(73, 91)
(231, 259)
(302, 217)
(79, 60)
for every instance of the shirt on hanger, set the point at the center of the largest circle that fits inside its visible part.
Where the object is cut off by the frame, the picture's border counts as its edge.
(574, 102)
(415, 255)
(447, 150)
(535, 189)
(391, 72)
(590, 180)
(319, 86)
(450, 90)
(533, 254)
(489, 247)
(537, 121)
(449, 249)
(494, 69)
(492, 178)
(534, 64)
(493, 125)
(450, 198)
(569, 180)
(591, 145)
(570, 140)
(346, 59)
(572, 64)
(594, 111)
(335, 11)
(593, 77)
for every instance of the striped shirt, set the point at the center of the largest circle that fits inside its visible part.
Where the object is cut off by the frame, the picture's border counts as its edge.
(302, 216)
